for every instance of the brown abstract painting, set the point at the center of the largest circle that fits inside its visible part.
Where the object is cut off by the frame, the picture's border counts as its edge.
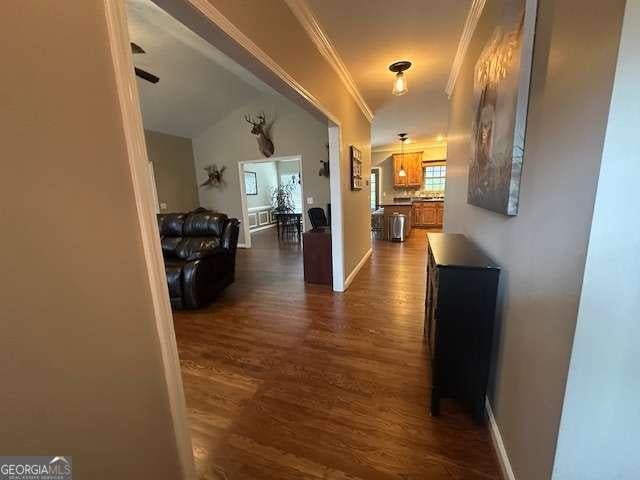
(500, 98)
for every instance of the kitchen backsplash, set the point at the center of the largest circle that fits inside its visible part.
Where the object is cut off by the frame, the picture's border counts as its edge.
(390, 196)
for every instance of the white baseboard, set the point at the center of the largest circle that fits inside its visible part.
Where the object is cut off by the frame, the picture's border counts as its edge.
(498, 445)
(271, 225)
(354, 273)
(242, 245)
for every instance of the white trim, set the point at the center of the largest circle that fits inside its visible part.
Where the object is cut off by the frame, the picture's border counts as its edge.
(256, 209)
(354, 273)
(242, 245)
(309, 22)
(465, 39)
(126, 87)
(223, 23)
(498, 445)
(335, 192)
(264, 227)
(154, 190)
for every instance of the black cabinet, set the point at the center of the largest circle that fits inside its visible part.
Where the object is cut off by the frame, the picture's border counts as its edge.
(462, 285)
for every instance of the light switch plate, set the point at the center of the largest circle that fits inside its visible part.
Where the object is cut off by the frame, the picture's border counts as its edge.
(163, 206)
(309, 200)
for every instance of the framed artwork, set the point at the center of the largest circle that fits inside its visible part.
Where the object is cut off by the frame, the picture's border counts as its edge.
(356, 168)
(500, 99)
(250, 183)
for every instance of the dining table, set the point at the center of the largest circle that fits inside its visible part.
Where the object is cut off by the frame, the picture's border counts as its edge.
(288, 218)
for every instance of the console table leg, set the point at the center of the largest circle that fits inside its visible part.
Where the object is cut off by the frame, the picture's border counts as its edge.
(435, 403)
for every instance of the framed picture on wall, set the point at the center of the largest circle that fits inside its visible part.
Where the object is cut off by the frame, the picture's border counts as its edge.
(500, 101)
(250, 183)
(356, 168)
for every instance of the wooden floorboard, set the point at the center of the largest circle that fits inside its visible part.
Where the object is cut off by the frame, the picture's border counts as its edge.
(291, 381)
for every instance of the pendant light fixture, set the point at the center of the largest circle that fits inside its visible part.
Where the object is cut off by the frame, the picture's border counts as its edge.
(400, 82)
(403, 138)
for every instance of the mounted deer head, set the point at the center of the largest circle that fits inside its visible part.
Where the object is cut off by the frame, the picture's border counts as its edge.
(265, 145)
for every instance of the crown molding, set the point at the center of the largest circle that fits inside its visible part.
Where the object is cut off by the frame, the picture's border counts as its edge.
(224, 24)
(465, 39)
(307, 19)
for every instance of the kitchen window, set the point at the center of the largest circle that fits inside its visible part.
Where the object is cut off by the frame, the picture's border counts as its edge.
(434, 178)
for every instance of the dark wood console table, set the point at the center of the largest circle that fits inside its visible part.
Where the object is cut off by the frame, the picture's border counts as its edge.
(316, 249)
(462, 284)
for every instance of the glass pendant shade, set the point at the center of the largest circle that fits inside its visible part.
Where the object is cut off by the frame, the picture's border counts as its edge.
(402, 172)
(399, 84)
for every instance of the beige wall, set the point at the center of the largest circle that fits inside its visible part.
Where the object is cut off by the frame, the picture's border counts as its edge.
(173, 167)
(80, 360)
(229, 141)
(542, 250)
(276, 31)
(384, 160)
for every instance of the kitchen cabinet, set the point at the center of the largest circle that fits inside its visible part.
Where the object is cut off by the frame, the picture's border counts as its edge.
(428, 214)
(412, 164)
(440, 213)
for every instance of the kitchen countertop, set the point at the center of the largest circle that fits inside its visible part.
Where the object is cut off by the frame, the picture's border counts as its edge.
(408, 204)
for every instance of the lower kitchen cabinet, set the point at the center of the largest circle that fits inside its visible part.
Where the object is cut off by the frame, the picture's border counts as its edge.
(428, 214)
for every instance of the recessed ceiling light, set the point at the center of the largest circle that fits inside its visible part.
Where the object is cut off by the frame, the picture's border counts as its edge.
(400, 82)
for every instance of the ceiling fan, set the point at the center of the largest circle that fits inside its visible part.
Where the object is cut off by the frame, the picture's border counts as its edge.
(149, 77)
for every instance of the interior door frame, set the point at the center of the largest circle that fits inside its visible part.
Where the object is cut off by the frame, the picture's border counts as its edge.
(243, 195)
(378, 184)
(202, 17)
(146, 199)
(219, 29)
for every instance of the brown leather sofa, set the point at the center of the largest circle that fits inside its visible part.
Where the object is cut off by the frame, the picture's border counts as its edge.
(199, 250)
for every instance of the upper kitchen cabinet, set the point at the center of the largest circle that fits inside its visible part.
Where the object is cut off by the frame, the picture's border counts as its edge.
(412, 164)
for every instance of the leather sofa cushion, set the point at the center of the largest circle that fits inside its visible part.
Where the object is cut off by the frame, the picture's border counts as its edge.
(171, 224)
(204, 224)
(193, 248)
(170, 246)
(173, 269)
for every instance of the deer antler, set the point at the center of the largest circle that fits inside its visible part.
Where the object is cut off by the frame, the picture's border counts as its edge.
(249, 120)
(261, 118)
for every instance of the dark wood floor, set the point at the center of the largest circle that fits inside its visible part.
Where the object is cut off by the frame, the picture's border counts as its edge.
(289, 381)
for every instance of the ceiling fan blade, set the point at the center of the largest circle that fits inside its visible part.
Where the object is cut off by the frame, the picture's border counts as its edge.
(149, 77)
(135, 48)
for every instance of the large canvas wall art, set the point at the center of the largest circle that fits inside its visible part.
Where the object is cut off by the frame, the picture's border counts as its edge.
(500, 99)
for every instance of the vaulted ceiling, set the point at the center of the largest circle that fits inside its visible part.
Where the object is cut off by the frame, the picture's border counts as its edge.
(198, 86)
(370, 35)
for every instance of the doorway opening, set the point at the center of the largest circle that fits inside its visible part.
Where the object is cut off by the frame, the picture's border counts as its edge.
(375, 183)
(271, 192)
(128, 89)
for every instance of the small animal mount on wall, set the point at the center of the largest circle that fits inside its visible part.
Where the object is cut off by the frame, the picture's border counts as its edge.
(324, 169)
(214, 176)
(265, 145)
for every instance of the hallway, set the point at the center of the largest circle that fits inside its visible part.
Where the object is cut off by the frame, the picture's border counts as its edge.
(286, 381)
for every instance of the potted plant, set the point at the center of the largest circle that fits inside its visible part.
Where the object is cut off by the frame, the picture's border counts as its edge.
(282, 198)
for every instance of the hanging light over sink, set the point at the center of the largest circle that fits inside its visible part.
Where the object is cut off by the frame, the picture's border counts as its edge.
(403, 138)
(400, 82)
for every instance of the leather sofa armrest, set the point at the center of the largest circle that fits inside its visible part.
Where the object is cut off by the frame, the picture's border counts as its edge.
(229, 239)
